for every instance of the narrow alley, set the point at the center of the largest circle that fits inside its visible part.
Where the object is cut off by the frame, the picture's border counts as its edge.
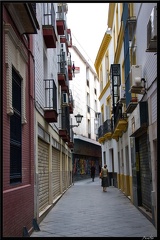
(78, 92)
(86, 211)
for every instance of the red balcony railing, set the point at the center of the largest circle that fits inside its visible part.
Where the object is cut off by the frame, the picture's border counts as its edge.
(48, 25)
(61, 19)
(50, 110)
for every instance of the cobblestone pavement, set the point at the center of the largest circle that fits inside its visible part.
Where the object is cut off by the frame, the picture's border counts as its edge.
(86, 211)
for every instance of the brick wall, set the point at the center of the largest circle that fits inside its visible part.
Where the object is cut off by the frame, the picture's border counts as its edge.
(18, 199)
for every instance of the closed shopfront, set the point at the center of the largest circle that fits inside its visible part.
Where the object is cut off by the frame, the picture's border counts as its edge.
(43, 173)
(145, 172)
(55, 173)
(69, 172)
(63, 173)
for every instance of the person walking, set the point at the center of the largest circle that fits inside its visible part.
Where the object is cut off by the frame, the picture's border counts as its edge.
(104, 177)
(93, 169)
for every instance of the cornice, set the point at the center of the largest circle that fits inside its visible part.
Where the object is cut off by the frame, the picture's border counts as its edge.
(111, 14)
(103, 47)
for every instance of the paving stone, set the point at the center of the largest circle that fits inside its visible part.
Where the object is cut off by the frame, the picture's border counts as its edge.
(86, 211)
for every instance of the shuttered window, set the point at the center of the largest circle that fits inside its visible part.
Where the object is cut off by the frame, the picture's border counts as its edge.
(15, 131)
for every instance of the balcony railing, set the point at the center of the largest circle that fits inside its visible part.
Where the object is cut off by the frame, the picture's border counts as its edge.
(50, 109)
(62, 63)
(64, 39)
(71, 102)
(107, 126)
(100, 131)
(69, 67)
(60, 19)
(49, 24)
(105, 131)
(49, 16)
(120, 122)
(64, 131)
(62, 72)
(117, 112)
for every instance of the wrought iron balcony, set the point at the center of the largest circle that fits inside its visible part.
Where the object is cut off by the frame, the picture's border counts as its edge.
(64, 39)
(107, 129)
(71, 102)
(61, 18)
(70, 143)
(24, 16)
(117, 112)
(69, 68)
(48, 25)
(100, 131)
(120, 122)
(64, 132)
(101, 134)
(50, 110)
(63, 73)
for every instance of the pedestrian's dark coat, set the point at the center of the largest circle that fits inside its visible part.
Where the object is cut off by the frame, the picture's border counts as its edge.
(93, 171)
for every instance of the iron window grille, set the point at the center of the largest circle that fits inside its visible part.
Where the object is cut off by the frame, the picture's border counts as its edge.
(49, 16)
(16, 131)
(65, 119)
(62, 63)
(50, 94)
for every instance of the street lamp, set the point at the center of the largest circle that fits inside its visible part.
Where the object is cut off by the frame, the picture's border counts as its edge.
(78, 120)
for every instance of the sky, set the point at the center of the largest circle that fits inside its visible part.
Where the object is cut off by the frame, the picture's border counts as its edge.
(88, 24)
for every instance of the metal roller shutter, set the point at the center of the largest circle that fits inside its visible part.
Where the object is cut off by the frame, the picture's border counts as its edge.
(55, 173)
(43, 173)
(69, 173)
(145, 174)
(63, 172)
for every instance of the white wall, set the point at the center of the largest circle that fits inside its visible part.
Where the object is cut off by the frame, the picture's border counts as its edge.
(79, 91)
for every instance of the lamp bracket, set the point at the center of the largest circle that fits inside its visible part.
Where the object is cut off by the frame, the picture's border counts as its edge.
(72, 126)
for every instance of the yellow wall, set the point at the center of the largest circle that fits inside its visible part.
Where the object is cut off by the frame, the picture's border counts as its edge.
(125, 184)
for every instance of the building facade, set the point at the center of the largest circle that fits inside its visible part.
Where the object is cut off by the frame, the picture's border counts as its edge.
(53, 106)
(19, 26)
(85, 91)
(128, 138)
(37, 166)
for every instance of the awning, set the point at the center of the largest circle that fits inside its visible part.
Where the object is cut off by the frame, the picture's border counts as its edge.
(79, 137)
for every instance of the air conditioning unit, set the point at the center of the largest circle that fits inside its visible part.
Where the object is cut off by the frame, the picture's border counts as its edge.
(136, 76)
(122, 94)
(152, 30)
(65, 99)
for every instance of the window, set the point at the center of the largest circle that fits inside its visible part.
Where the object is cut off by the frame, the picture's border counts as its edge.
(89, 129)
(16, 131)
